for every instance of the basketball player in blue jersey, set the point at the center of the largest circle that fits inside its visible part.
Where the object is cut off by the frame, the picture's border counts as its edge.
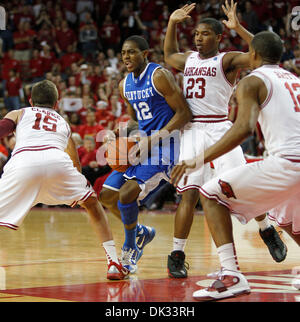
(156, 102)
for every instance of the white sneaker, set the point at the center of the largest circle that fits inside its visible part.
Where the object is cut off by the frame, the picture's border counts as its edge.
(228, 284)
(129, 258)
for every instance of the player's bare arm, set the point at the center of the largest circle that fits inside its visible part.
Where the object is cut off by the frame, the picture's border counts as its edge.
(233, 61)
(9, 122)
(251, 93)
(172, 55)
(165, 83)
(130, 109)
(72, 152)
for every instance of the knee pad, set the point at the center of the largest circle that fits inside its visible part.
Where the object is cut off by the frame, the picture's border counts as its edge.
(129, 212)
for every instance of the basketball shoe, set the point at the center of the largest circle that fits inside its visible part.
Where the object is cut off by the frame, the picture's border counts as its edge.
(276, 246)
(144, 237)
(116, 271)
(228, 284)
(130, 256)
(177, 267)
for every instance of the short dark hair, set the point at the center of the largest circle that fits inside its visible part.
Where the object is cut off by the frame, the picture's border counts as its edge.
(140, 41)
(215, 25)
(44, 94)
(268, 45)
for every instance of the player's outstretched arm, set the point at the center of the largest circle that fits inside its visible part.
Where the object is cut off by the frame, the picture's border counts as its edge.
(233, 21)
(235, 60)
(172, 55)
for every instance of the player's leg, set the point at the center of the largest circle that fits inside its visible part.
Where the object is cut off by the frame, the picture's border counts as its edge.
(101, 226)
(109, 199)
(177, 267)
(230, 282)
(129, 210)
(267, 232)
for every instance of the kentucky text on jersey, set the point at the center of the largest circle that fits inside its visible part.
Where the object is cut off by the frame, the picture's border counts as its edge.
(200, 71)
(144, 93)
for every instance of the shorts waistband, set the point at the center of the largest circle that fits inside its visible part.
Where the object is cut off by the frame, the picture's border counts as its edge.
(33, 148)
(209, 118)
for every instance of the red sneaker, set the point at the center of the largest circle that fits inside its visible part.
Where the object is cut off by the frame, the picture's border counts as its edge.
(116, 271)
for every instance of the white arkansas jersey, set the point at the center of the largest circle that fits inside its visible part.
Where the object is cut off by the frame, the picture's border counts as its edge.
(280, 113)
(40, 128)
(206, 88)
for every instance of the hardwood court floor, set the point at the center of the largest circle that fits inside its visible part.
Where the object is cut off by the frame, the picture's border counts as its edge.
(55, 256)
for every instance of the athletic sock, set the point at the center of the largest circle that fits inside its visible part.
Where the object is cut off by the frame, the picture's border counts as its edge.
(129, 215)
(179, 244)
(130, 238)
(227, 256)
(264, 224)
(110, 251)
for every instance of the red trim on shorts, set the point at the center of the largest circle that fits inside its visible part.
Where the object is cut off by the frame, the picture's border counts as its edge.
(283, 225)
(34, 148)
(212, 118)
(11, 226)
(190, 187)
(84, 198)
(214, 197)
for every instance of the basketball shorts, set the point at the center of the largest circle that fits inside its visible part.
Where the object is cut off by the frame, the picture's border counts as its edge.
(195, 138)
(271, 185)
(149, 177)
(47, 177)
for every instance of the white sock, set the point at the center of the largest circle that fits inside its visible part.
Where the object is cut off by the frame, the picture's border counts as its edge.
(110, 251)
(227, 256)
(179, 244)
(264, 224)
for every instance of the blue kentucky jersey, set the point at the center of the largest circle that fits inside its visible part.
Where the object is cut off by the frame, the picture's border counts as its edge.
(151, 109)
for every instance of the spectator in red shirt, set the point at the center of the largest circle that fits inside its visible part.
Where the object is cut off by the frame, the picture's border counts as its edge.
(36, 66)
(65, 37)
(12, 91)
(49, 58)
(91, 128)
(109, 33)
(8, 63)
(70, 57)
(22, 42)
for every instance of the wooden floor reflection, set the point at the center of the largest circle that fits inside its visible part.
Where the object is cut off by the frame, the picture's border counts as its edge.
(55, 256)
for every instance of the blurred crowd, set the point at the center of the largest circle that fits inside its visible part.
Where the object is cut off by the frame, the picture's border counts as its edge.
(76, 44)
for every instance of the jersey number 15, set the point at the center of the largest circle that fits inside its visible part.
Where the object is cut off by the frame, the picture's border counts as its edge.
(47, 123)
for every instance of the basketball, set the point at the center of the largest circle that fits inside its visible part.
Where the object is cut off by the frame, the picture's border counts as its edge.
(117, 153)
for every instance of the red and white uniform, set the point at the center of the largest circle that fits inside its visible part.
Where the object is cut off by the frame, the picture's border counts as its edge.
(39, 170)
(271, 185)
(207, 92)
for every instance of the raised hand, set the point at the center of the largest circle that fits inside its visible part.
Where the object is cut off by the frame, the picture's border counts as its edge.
(230, 12)
(182, 14)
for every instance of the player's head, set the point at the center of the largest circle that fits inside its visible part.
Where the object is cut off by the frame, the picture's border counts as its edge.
(266, 48)
(134, 53)
(208, 35)
(44, 94)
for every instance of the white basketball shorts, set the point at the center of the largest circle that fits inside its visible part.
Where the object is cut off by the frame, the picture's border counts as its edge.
(271, 185)
(47, 177)
(195, 138)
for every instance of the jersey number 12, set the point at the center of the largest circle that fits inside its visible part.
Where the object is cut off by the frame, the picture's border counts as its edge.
(142, 110)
